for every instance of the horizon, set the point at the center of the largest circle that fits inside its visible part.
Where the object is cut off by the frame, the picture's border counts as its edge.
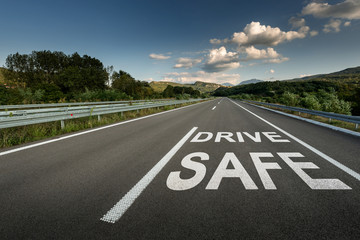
(185, 42)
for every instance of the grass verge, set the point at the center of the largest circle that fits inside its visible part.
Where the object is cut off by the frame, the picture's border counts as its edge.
(19, 135)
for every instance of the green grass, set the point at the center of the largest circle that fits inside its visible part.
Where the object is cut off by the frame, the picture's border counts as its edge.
(19, 135)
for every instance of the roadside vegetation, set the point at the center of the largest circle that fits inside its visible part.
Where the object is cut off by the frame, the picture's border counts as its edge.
(51, 77)
(334, 122)
(330, 96)
(19, 135)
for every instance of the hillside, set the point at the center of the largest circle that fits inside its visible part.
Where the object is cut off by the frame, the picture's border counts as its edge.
(346, 75)
(250, 81)
(203, 87)
(314, 92)
(1, 76)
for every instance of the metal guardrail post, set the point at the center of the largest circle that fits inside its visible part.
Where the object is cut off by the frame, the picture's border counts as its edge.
(62, 124)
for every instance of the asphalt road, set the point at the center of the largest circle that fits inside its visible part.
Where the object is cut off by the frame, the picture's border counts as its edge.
(215, 170)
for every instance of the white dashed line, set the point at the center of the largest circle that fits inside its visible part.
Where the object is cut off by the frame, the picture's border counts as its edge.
(213, 108)
(125, 202)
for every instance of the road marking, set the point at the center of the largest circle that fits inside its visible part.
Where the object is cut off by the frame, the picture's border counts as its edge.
(89, 131)
(321, 154)
(213, 108)
(115, 213)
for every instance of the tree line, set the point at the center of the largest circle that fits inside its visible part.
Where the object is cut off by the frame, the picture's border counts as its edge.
(46, 76)
(331, 96)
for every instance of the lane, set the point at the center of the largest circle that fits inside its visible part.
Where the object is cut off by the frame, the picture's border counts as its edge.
(231, 211)
(63, 189)
(336, 144)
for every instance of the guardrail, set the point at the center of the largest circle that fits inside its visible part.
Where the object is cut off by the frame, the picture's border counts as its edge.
(26, 106)
(330, 116)
(54, 112)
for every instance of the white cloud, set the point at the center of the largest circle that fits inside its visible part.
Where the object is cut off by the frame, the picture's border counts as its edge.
(269, 54)
(187, 62)
(347, 24)
(297, 22)
(257, 34)
(187, 77)
(332, 26)
(272, 71)
(349, 9)
(277, 60)
(313, 33)
(220, 60)
(215, 41)
(254, 53)
(158, 56)
(304, 75)
(149, 79)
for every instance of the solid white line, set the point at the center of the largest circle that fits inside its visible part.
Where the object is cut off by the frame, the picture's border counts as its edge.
(89, 131)
(321, 154)
(213, 108)
(125, 202)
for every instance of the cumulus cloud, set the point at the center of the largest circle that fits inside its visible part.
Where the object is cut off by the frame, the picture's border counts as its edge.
(297, 22)
(215, 41)
(256, 34)
(349, 9)
(187, 62)
(254, 53)
(214, 77)
(158, 56)
(332, 26)
(313, 33)
(269, 54)
(347, 24)
(220, 60)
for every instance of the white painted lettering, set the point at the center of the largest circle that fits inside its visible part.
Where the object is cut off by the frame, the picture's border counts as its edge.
(174, 182)
(272, 135)
(255, 138)
(240, 137)
(317, 184)
(197, 137)
(262, 167)
(225, 135)
(238, 172)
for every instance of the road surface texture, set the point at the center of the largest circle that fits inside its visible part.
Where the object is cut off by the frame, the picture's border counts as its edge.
(215, 170)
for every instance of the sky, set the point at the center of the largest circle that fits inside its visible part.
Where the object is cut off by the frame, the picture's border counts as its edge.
(186, 41)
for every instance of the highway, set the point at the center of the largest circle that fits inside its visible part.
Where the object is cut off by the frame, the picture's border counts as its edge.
(220, 169)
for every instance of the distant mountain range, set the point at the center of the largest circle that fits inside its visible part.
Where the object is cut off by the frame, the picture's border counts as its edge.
(250, 81)
(227, 84)
(203, 87)
(344, 75)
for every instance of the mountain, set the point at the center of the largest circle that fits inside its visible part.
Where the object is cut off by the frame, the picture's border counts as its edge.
(228, 84)
(346, 75)
(203, 87)
(250, 81)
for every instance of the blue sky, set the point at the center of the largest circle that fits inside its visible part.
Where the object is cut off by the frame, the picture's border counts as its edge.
(185, 41)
